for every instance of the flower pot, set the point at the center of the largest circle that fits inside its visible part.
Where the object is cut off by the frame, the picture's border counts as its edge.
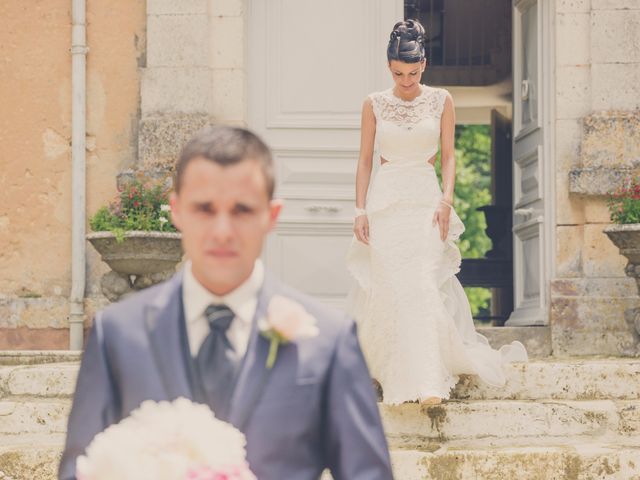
(627, 238)
(138, 261)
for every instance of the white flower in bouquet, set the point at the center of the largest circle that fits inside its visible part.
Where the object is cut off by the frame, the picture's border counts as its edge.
(178, 440)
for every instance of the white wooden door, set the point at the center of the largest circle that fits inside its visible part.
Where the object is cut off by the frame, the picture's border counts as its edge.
(311, 64)
(530, 222)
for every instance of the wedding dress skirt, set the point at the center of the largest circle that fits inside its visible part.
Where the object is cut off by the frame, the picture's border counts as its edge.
(414, 319)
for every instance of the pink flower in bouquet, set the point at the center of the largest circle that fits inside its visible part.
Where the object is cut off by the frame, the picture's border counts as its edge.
(207, 473)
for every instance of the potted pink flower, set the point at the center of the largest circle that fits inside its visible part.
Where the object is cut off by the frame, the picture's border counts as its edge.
(134, 236)
(624, 209)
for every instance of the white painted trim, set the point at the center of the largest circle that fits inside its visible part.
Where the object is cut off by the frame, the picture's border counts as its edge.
(246, 12)
(549, 70)
(254, 62)
(313, 150)
(519, 6)
(521, 199)
(320, 190)
(275, 117)
(527, 312)
(540, 313)
(306, 227)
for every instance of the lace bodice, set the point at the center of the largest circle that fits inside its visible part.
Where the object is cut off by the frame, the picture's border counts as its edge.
(408, 131)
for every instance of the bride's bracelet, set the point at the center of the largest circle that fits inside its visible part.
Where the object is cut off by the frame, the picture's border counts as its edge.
(360, 211)
(442, 200)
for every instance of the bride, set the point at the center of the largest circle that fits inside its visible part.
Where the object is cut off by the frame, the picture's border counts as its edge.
(414, 318)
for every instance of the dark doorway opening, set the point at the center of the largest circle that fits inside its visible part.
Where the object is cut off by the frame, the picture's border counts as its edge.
(469, 45)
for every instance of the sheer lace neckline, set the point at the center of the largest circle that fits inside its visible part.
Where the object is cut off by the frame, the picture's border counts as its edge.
(423, 90)
(389, 107)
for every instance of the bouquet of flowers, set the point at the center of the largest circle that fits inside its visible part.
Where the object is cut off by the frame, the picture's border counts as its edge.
(178, 440)
(624, 203)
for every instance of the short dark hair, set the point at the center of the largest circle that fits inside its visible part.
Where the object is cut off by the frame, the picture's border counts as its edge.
(226, 146)
(406, 42)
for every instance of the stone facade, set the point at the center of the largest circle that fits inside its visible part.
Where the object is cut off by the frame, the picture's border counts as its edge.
(194, 74)
(597, 144)
(171, 67)
(35, 133)
(151, 82)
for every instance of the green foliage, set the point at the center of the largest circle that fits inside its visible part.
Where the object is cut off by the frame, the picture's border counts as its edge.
(624, 203)
(473, 190)
(138, 206)
(473, 186)
(479, 300)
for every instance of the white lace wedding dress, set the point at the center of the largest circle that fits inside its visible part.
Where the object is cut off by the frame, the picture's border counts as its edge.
(415, 322)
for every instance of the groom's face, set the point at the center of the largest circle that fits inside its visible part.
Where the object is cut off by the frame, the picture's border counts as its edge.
(224, 214)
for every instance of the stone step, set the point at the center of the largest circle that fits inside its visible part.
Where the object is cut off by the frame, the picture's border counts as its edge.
(537, 340)
(550, 462)
(36, 461)
(38, 380)
(20, 417)
(585, 379)
(496, 422)
(499, 422)
(560, 462)
(32, 357)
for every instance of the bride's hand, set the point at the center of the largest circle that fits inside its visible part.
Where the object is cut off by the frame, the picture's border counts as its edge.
(441, 217)
(361, 229)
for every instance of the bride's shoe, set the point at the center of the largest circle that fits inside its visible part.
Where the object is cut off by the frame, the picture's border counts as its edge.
(431, 401)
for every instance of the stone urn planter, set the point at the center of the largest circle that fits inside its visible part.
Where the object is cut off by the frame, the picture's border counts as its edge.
(140, 260)
(627, 238)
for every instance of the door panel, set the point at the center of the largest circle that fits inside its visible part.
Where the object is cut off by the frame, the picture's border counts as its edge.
(529, 232)
(307, 256)
(310, 66)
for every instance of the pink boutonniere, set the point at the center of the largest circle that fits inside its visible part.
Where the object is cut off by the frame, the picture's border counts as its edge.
(286, 321)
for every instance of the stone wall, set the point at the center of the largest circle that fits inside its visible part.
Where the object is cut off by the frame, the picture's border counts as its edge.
(597, 142)
(157, 71)
(195, 74)
(170, 67)
(35, 132)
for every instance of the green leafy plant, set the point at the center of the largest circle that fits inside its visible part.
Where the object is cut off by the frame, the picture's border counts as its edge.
(473, 190)
(624, 203)
(138, 206)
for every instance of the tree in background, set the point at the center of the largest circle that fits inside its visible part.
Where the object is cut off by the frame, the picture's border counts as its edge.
(473, 190)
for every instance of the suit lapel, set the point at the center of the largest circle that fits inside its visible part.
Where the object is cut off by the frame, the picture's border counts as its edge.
(163, 320)
(253, 375)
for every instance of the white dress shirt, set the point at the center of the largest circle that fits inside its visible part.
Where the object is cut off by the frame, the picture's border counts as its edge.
(242, 301)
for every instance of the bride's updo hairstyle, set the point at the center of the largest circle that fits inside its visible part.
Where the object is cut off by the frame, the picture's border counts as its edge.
(406, 42)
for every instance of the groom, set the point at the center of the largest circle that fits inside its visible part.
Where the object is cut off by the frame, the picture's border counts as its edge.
(197, 335)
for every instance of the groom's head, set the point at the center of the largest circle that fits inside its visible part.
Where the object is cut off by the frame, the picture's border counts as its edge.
(223, 204)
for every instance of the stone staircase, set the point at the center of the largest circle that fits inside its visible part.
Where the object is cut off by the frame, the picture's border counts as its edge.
(555, 419)
(573, 419)
(35, 398)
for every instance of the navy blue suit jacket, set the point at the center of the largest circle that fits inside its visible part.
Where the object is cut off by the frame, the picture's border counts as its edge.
(314, 409)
